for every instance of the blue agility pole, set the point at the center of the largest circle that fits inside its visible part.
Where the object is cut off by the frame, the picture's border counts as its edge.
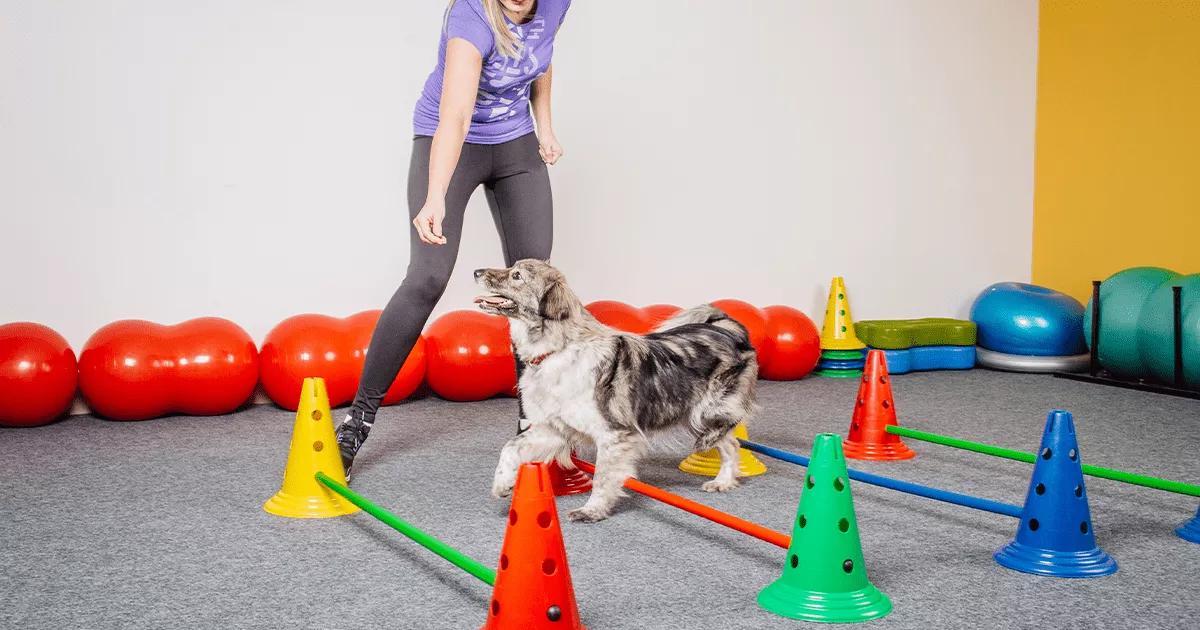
(964, 500)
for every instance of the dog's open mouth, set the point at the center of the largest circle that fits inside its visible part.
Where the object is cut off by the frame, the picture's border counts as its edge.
(494, 302)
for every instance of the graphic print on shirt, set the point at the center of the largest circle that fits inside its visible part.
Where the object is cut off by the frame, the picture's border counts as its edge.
(496, 102)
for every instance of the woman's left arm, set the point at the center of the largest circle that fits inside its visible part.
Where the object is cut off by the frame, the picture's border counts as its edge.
(548, 145)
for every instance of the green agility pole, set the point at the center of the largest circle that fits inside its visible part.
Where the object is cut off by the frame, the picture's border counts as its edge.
(452, 555)
(1165, 485)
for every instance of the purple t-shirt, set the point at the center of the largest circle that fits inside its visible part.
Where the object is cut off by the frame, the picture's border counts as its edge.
(502, 106)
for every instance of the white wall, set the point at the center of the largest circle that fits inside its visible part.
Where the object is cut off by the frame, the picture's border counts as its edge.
(166, 159)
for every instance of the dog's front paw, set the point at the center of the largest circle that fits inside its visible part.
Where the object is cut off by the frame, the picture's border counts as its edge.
(718, 485)
(503, 482)
(587, 514)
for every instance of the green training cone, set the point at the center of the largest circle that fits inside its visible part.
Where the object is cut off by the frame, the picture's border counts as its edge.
(824, 577)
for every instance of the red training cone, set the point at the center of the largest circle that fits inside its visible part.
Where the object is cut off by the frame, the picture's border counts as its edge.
(566, 481)
(874, 410)
(533, 584)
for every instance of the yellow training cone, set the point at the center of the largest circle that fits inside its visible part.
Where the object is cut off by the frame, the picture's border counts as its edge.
(314, 449)
(709, 462)
(837, 333)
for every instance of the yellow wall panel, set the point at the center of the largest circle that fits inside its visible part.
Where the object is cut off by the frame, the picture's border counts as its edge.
(1117, 165)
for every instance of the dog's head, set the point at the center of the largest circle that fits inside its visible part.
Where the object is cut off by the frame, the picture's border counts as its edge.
(531, 291)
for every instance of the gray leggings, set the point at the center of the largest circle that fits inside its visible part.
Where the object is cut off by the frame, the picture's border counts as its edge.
(518, 191)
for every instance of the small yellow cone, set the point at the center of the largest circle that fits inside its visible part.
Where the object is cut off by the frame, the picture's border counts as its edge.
(314, 448)
(837, 333)
(709, 462)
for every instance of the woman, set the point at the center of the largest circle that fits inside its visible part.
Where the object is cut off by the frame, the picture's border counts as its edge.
(473, 125)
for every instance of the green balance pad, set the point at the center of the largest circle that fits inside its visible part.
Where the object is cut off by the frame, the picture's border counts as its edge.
(901, 334)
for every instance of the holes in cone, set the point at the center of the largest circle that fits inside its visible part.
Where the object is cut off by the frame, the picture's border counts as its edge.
(503, 562)
(803, 521)
(794, 560)
(844, 525)
(1047, 453)
(838, 484)
(543, 520)
(842, 312)
(887, 404)
(843, 329)
(1072, 454)
(862, 401)
(883, 379)
(316, 414)
(549, 566)
(841, 296)
(1079, 491)
(554, 613)
(1083, 527)
(1034, 524)
(1040, 488)
(512, 517)
(809, 482)
(866, 379)
(495, 607)
(854, 426)
(848, 565)
(318, 446)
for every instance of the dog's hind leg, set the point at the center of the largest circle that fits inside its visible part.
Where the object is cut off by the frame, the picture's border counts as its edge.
(541, 442)
(726, 479)
(616, 461)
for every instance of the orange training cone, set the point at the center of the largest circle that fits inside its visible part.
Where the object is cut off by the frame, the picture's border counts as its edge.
(533, 583)
(874, 410)
(314, 449)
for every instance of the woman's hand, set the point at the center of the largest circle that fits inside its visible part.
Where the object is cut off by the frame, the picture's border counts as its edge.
(429, 221)
(549, 148)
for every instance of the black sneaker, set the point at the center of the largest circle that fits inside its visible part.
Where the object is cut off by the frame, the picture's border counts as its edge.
(351, 434)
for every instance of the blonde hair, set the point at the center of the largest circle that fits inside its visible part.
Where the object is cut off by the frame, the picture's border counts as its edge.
(506, 41)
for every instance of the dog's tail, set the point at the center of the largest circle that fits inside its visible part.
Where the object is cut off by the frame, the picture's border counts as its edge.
(708, 314)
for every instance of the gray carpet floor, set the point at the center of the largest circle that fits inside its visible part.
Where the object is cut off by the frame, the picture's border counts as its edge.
(158, 524)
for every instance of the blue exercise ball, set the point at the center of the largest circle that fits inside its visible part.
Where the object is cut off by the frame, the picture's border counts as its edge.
(1025, 319)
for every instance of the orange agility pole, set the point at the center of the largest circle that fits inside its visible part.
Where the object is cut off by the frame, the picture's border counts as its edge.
(699, 509)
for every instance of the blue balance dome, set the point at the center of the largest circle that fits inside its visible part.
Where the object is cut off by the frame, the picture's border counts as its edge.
(1025, 319)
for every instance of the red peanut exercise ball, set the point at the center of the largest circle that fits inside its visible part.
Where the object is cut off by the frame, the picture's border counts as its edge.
(793, 344)
(136, 370)
(620, 315)
(470, 356)
(216, 366)
(37, 375)
(753, 319)
(333, 349)
(656, 314)
(309, 345)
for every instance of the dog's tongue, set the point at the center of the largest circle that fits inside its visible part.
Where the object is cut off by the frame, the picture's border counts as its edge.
(494, 300)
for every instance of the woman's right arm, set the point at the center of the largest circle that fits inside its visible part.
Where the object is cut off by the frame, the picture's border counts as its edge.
(460, 85)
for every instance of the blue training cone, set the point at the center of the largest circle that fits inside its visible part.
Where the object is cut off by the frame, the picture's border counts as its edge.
(1055, 536)
(1190, 531)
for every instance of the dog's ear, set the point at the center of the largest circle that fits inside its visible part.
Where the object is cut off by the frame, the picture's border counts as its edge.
(556, 302)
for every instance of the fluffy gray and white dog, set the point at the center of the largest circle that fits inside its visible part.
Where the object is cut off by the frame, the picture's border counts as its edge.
(694, 378)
